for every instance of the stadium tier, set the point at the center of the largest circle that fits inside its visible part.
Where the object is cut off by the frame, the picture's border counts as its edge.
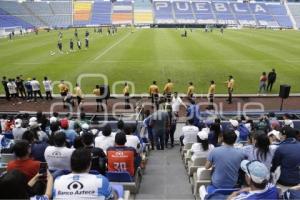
(82, 13)
(122, 12)
(295, 11)
(143, 13)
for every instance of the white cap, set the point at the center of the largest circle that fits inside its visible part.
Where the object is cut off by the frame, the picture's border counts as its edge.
(289, 122)
(32, 121)
(234, 123)
(203, 134)
(18, 123)
(275, 133)
(53, 119)
(85, 126)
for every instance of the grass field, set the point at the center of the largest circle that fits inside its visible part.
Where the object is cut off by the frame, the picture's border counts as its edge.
(158, 54)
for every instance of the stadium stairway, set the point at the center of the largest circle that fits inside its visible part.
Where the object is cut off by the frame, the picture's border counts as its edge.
(165, 177)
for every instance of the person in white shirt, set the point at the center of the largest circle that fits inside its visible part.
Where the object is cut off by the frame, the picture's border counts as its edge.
(48, 88)
(18, 130)
(36, 88)
(202, 148)
(132, 140)
(58, 157)
(189, 133)
(80, 184)
(106, 139)
(12, 88)
(176, 102)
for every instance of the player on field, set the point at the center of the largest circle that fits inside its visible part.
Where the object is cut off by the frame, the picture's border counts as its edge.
(126, 95)
(48, 88)
(190, 91)
(86, 42)
(36, 88)
(210, 95)
(63, 89)
(59, 45)
(78, 94)
(76, 33)
(79, 44)
(97, 93)
(222, 30)
(20, 86)
(71, 45)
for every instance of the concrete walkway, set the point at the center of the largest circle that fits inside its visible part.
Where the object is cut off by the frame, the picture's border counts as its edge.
(165, 177)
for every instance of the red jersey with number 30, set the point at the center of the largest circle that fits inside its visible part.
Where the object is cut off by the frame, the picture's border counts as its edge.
(121, 159)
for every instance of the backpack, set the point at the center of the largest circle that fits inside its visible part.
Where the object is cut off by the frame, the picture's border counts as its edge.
(244, 132)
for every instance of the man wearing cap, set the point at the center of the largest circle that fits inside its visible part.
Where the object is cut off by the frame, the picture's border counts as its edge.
(225, 161)
(18, 130)
(202, 148)
(257, 178)
(287, 157)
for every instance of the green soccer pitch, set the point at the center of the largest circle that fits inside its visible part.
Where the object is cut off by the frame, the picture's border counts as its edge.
(144, 55)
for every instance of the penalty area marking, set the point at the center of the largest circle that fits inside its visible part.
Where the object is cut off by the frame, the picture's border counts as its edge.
(112, 46)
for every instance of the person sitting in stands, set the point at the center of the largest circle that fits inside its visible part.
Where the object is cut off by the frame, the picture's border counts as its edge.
(225, 161)
(189, 133)
(105, 140)
(257, 178)
(58, 156)
(202, 147)
(98, 155)
(287, 157)
(122, 158)
(23, 162)
(132, 140)
(37, 147)
(70, 133)
(80, 184)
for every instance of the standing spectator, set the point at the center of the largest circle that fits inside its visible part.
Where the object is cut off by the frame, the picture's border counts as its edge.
(211, 94)
(95, 186)
(4, 83)
(160, 124)
(12, 88)
(168, 89)
(190, 90)
(262, 83)
(225, 161)
(18, 130)
(23, 161)
(176, 102)
(147, 125)
(230, 86)
(58, 156)
(271, 79)
(28, 88)
(78, 94)
(189, 133)
(105, 140)
(48, 88)
(126, 95)
(173, 121)
(98, 156)
(99, 98)
(20, 86)
(287, 157)
(193, 113)
(154, 94)
(36, 88)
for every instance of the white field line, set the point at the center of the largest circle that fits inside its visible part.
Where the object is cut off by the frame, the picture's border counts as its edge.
(112, 46)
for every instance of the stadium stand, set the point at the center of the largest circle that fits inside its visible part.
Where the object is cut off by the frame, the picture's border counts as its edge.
(101, 14)
(82, 13)
(143, 13)
(229, 13)
(295, 11)
(7, 20)
(122, 12)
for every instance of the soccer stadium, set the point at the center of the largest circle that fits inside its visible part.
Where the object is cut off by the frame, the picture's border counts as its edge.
(150, 99)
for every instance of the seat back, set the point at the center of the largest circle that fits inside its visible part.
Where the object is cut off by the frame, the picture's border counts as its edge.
(6, 158)
(199, 161)
(220, 193)
(119, 177)
(203, 174)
